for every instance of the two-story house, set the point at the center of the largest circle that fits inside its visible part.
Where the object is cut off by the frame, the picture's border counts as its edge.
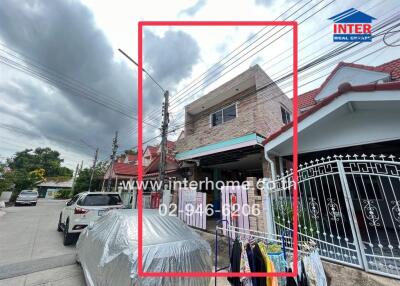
(224, 129)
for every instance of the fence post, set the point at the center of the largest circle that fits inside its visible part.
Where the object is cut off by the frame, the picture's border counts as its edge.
(266, 196)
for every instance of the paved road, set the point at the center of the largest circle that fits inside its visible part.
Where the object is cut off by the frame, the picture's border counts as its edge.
(29, 233)
(31, 249)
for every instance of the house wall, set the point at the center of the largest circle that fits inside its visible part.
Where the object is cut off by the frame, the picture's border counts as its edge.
(354, 76)
(367, 123)
(257, 112)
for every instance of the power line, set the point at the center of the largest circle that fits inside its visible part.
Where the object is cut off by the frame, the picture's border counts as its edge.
(64, 83)
(332, 54)
(217, 64)
(206, 83)
(133, 61)
(308, 66)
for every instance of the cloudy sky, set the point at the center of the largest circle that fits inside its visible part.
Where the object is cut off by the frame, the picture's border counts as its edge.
(63, 83)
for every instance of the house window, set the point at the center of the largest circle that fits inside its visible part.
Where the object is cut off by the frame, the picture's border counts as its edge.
(224, 115)
(285, 115)
(216, 118)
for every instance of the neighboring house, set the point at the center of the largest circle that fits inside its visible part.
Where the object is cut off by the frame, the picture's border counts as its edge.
(349, 168)
(224, 129)
(354, 74)
(149, 154)
(126, 166)
(47, 188)
(118, 172)
(172, 171)
(128, 159)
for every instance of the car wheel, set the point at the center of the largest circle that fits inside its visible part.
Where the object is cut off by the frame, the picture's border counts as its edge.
(34, 204)
(59, 229)
(68, 237)
(16, 205)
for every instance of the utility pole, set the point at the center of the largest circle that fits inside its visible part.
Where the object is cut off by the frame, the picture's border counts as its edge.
(81, 168)
(164, 136)
(93, 168)
(75, 176)
(114, 153)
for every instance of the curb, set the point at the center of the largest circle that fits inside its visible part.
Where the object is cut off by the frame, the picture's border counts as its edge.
(36, 265)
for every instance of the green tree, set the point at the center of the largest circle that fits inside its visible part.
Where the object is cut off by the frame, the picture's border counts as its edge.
(6, 182)
(29, 167)
(41, 158)
(83, 179)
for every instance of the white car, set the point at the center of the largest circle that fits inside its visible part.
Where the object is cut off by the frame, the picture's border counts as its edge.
(27, 197)
(83, 209)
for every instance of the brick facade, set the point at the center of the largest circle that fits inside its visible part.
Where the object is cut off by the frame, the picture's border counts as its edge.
(258, 111)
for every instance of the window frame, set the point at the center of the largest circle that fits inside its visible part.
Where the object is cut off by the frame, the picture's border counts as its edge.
(287, 112)
(222, 112)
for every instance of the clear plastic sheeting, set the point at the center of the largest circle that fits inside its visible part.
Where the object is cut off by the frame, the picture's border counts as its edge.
(108, 251)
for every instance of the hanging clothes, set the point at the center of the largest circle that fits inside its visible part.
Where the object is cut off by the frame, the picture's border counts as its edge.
(245, 266)
(302, 276)
(260, 265)
(280, 265)
(314, 270)
(290, 281)
(250, 257)
(271, 281)
(235, 262)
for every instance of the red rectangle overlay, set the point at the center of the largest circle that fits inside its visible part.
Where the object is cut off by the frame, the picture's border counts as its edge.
(143, 24)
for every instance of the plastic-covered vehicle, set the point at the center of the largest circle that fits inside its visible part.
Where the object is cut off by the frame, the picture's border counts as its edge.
(108, 250)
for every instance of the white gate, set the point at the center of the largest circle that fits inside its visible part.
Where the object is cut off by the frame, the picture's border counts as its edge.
(349, 205)
(192, 207)
(235, 208)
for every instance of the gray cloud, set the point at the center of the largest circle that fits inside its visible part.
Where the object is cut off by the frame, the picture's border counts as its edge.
(192, 10)
(264, 2)
(62, 36)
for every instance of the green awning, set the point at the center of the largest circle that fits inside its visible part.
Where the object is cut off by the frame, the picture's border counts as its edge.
(231, 144)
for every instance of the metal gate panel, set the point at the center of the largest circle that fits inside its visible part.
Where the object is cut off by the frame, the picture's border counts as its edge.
(322, 213)
(192, 207)
(348, 205)
(374, 184)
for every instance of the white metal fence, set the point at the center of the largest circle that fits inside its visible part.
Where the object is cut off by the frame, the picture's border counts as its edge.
(349, 205)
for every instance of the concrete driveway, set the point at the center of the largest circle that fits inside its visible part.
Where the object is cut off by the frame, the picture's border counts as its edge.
(31, 249)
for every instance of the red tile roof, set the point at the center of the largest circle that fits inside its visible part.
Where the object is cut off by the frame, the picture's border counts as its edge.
(307, 99)
(170, 145)
(342, 90)
(153, 167)
(393, 68)
(123, 169)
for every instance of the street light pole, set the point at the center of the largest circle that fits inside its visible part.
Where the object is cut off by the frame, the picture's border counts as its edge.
(164, 126)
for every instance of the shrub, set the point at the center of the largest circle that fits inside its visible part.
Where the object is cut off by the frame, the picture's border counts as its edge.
(63, 194)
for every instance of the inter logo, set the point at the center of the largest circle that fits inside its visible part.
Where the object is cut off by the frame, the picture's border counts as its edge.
(352, 26)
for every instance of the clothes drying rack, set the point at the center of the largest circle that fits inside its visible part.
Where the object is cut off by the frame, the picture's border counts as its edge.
(233, 231)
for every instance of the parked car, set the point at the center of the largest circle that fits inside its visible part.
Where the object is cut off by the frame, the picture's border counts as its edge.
(84, 208)
(27, 197)
(108, 250)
